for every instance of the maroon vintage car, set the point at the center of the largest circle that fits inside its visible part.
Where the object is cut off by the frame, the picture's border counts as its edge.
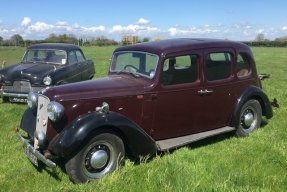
(157, 96)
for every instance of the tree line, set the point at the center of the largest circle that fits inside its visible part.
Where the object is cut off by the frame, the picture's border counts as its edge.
(17, 40)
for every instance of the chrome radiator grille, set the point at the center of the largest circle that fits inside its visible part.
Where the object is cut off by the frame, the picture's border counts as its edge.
(42, 116)
(19, 86)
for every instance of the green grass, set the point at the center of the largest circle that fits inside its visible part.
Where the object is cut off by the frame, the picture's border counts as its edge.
(254, 163)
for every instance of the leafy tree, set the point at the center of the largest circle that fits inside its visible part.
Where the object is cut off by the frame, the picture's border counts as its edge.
(17, 40)
(146, 39)
(53, 38)
(260, 37)
(281, 39)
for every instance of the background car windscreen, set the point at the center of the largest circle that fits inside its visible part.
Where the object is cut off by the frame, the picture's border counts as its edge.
(45, 56)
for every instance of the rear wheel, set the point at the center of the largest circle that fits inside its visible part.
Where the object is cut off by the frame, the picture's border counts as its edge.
(100, 156)
(249, 118)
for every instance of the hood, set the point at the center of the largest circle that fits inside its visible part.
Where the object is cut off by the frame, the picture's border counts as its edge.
(33, 72)
(111, 86)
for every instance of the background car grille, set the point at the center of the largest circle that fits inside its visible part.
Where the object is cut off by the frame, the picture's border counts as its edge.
(19, 86)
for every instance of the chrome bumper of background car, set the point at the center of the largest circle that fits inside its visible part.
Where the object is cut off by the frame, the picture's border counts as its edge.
(35, 152)
(22, 95)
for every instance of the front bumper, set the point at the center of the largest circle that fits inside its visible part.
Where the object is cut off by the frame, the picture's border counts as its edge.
(35, 152)
(18, 95)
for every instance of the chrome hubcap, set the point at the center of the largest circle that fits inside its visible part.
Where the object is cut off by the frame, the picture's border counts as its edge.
(99, 159)
(248, 119)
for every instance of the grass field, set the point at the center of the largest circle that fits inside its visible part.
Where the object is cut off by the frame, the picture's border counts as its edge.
(225, 163)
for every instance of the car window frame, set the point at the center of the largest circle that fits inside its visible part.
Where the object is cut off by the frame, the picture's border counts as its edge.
(219, 50)
(247, 56)
(75, 57)
(197, 83)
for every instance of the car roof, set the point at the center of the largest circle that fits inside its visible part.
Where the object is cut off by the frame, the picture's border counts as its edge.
(181, 44)
(61, 46)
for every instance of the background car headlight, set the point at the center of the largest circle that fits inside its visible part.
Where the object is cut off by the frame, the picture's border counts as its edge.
(55, 111)
(47, 80)
(32, 100)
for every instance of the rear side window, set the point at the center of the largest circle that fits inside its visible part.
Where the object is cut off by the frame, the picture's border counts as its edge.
(72, 58)
(218, 66)
(180, 70)
(243, 65)
(80, 56)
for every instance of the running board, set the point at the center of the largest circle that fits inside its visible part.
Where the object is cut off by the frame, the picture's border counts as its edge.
(167, 144)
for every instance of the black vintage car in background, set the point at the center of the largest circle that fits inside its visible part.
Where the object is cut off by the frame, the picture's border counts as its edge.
(43, 65)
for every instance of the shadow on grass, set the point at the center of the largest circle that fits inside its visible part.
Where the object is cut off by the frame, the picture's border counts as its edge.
(52, 172)
(201, 143)
(137, 161)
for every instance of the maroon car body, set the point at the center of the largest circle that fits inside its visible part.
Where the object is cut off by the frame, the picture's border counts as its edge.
(157, 96)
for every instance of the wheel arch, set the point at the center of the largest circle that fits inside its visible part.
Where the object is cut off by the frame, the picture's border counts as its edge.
(75, 135)
(112, 130)
(256, 93)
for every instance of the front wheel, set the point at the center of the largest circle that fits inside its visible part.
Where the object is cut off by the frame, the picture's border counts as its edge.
(249, 118)
(100, 156)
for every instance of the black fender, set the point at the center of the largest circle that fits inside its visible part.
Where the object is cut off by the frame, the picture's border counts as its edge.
(28, 122)
(252, 92)
(76, 134)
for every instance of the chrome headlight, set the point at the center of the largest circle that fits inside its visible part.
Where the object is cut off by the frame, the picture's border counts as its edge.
(32, 100)
(55, 111)
(47, 80)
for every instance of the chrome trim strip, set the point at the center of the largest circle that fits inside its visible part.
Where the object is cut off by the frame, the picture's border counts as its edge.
(39, 156)
(5, 94)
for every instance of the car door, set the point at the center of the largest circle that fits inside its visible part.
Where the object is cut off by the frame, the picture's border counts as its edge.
(177, 102)
(219, 88)
(74, 68)
(83, 64)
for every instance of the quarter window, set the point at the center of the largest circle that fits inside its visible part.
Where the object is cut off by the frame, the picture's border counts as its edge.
(218, 66)
(179, 70)
(72, 58)
(80, 56)
(243, 65)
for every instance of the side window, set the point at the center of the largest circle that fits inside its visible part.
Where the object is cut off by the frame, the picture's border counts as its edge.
(179, 70)
(80, 56)
(243, 65)
(218, 66)
(72, 58)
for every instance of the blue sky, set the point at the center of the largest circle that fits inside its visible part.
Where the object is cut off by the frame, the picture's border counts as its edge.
(235, 20)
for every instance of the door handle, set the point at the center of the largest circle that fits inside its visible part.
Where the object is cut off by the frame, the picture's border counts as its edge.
(201, 92)
(204, 92)
(208, 92)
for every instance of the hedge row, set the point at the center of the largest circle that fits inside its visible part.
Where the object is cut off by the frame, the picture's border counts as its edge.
(266, 43)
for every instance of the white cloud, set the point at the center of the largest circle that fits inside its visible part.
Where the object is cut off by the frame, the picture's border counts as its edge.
(40, 26)
(26, 22)
(117, 28)
(172, 31)
(62, 23)
(260, 31)
(100, 28)
(143, 21)
(141, 28)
